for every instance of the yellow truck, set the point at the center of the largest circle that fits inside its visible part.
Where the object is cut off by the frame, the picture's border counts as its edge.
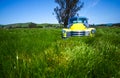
(78, 26)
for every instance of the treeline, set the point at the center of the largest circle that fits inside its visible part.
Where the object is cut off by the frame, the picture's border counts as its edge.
(30, 25)
(106, 25)
(46, 25)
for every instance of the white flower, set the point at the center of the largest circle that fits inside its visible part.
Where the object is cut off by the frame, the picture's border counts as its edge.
(17, 57)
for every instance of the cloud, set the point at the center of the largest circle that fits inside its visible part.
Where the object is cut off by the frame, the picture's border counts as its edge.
(95, 2)
(91, 3)
(88, 4)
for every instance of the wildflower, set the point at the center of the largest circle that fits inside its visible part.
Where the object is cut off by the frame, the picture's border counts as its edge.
(17, 57)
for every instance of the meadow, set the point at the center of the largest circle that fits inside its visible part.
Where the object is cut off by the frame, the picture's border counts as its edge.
(42, 53)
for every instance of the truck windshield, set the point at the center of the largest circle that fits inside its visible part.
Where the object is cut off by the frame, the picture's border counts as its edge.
(76, 20)
(73, 20)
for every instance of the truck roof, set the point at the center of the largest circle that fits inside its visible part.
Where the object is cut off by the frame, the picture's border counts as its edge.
(79, 17)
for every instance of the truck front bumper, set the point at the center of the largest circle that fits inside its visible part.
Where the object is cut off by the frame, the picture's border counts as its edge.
(88, 32)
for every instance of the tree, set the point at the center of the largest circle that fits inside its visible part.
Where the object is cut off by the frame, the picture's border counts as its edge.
(66, 10)
(32, 25)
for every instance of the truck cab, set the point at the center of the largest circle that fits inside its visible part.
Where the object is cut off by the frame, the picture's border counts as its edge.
(78, 26)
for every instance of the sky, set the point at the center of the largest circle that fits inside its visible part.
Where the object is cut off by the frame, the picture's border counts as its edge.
(41, 11)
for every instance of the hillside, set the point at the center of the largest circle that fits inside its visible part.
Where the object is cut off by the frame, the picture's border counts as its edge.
(29, 25)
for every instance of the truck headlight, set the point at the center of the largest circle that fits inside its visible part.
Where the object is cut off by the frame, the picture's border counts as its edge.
(93, 31)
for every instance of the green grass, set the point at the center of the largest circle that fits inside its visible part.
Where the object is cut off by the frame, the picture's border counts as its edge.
(41, 53)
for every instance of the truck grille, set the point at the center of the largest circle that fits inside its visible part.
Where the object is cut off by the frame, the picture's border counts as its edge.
(77, 33)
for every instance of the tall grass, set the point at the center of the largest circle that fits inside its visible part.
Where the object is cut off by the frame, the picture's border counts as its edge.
(41, 53)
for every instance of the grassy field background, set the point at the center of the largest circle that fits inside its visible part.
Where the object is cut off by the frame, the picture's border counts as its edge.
(42, 53)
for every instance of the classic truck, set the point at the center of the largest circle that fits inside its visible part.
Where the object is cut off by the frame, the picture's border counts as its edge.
(78, 26)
